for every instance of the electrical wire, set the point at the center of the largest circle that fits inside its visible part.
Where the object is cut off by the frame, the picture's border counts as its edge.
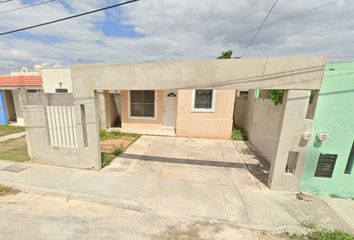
(239, 34)
(67, 18)
(259, 28)
(33, 5)
(6, 1)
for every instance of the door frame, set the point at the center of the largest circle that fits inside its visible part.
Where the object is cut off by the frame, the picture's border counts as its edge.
(165, 93)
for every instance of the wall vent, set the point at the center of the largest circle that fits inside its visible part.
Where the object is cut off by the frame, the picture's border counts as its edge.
(325, 165)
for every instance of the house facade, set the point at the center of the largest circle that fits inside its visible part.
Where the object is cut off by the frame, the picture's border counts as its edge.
(57, 80)
(329, 162)
(11, 111)
(189, 113)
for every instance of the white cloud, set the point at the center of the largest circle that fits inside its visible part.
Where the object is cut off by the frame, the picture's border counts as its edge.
(171, 29)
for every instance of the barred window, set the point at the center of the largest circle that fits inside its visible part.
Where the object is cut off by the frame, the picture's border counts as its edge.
(203, 99)
(142, 103)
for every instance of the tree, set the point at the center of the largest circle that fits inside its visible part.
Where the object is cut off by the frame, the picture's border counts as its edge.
(226, 55)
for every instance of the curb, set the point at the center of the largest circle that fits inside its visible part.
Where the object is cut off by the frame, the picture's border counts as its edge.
(95, 198)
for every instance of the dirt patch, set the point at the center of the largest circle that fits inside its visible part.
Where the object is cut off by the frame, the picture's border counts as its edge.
(12, 143)
(207, 230)
(129, 138)
(4, 191)
(108, 146)
(4, 132)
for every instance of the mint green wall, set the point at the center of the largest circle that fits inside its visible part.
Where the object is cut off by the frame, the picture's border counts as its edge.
(334, 116)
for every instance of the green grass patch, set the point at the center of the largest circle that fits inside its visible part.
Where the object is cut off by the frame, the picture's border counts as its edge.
(238, 134)
(320, 235)
(107, 158)
(18, 154)
(8, 129)
(4, 190)
(116, 135)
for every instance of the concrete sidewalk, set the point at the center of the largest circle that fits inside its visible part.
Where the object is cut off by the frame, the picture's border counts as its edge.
(256, 209)
(15, 135)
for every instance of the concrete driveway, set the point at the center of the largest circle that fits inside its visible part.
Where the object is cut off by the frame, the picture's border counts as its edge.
(201, 180)
(195, 160)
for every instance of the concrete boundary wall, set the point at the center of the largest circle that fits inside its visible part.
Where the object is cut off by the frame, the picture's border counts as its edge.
(81, 148)
(276, 131)
(260, 119)
(265, 130)
(292, 126)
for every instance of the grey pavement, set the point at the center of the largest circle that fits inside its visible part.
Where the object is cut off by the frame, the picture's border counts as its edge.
(15, 135)
(194, 179)
(28, 215)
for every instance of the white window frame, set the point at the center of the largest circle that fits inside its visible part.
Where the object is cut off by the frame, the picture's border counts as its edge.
(208, 110)
(143, 118)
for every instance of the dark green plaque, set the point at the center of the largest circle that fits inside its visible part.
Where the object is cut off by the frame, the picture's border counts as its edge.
(325, 165)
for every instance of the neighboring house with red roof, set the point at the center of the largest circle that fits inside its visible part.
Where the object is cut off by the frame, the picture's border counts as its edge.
(10, 106)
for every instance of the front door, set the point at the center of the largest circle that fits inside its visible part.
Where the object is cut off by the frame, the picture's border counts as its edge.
(170, 108)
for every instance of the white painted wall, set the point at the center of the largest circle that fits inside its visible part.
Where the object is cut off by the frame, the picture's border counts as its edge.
(53, 76)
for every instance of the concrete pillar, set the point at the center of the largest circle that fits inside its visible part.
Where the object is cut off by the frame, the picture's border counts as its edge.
(249, 111)
(102, 109)
(88, 140)
(290, 145)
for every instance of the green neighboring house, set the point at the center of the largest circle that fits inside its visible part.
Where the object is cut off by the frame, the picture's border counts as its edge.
(334, 117)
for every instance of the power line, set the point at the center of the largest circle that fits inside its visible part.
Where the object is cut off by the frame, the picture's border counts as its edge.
(11, 10)
(267, 25)
(6, 1)
(260, 27)
(67, 18)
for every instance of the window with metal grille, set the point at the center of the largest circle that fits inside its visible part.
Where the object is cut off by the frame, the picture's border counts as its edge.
(203, 99)
(142, 103)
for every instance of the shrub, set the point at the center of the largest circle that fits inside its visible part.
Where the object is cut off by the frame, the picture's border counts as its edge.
(238, 134)
(277, 95)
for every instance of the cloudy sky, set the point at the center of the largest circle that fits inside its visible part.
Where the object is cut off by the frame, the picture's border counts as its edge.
(156, 30)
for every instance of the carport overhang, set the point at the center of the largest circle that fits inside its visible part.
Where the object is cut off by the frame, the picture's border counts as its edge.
(250, 73)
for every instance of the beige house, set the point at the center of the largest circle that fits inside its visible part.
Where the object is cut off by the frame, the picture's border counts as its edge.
(189, 113)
